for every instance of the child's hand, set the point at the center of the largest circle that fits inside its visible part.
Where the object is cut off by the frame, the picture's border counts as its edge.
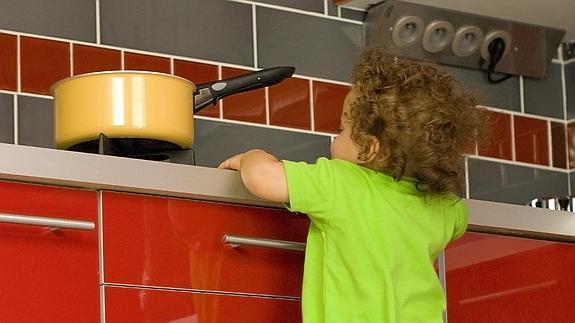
(234, 162)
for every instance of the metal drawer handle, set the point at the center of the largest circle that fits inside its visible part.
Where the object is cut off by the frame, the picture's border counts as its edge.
(236, 241)
(47, 222)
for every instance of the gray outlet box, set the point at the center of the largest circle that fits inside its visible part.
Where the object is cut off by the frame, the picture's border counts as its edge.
(461, 39)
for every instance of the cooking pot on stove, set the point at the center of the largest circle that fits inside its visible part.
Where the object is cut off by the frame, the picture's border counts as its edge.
(147, 106)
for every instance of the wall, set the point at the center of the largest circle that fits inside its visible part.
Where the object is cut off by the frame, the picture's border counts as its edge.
(44, 41)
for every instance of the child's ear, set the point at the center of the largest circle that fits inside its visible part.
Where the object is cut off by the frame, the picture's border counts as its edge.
(373, 148)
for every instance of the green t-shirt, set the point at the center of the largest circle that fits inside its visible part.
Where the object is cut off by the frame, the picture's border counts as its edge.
(371, 244)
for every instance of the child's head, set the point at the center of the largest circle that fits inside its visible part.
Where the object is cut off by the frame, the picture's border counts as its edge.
(408, 119)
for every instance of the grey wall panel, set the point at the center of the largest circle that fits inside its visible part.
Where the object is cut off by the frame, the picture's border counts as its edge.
(319, 47)
(544, 96)
(513, 184)
(73, 19)
(213, 30)
(216, 141)
(35, 122)
(504, 95)
(570, 88)
(6, 118)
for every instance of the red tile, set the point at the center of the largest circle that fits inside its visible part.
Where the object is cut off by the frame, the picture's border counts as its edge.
(328, 104)
(500, 143)
(248, 106)
(93, 59)
(558, 145)
(531, 145)
(43, 63)
(8, 62)
(571, 143)
(199, 73)
(289, 104)
(141, 62)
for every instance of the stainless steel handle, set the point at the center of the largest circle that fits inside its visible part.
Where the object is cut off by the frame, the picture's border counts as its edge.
(47, 222)
(236, 241)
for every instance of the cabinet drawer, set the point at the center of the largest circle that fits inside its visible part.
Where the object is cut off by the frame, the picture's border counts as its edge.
(149, 305)
(48, 275)
(158, 241)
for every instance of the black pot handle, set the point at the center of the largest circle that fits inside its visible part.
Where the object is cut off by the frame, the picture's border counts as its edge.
(210, 93)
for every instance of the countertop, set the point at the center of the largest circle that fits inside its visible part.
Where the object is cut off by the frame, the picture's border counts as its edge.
(91, 171)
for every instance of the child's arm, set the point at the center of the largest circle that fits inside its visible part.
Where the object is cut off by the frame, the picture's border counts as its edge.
(262, 173)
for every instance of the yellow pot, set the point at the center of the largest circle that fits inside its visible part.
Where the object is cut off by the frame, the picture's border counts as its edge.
(123, 104)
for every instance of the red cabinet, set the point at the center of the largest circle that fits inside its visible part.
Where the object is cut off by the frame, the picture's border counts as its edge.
(48, 275)
(153, 305)
(172, 250)
(494, 278)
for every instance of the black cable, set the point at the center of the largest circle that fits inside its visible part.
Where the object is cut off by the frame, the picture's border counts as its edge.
(496, 49)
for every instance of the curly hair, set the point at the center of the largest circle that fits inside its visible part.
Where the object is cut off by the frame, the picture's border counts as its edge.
(423, 121)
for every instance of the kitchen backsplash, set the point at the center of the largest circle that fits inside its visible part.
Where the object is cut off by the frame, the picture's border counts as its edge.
(42, 42)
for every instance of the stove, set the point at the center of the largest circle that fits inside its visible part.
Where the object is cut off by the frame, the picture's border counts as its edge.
(139, 148)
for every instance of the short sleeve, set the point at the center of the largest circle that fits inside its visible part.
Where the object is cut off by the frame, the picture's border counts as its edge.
(311, 189)
(461, 220)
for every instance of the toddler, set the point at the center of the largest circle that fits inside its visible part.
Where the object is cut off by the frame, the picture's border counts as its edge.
(387, 202)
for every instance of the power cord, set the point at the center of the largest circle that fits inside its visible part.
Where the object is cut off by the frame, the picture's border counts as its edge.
(496, 49)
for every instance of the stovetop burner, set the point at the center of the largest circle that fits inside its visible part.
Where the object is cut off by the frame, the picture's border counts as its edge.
(140, 148)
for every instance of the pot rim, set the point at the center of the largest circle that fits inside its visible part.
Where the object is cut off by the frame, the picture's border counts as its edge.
(70, 78)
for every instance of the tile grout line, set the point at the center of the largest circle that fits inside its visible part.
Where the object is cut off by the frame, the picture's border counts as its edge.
(466, 177)
(221, 102)
(18, 90)
(255, 36)
(267, 105)
(550, 143)
(18, 64)
(15, 109)
(325, 10)
(512, 125)
(521, 94)
(172, 66)
(311, 108)
(98, 33)
(71, 50)
(122, 65)
(564, 91)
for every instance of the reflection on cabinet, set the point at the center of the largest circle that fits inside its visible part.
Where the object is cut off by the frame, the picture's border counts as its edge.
(153, 305)
(493, 278)
(48, 274)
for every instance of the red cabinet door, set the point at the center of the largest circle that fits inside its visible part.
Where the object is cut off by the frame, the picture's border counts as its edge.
(494, 278)
(158, 241)
(48, 275)
(150, 306)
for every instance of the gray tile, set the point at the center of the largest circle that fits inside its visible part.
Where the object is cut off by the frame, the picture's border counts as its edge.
(332, 9)
(307, 5)
(6, 118)
(504, 95)
(216, 141)
(513, 184)
(358, 15)
(319, 47)
(570, 88)
(545, 96)
(73, 19)
(35, 122)
(214, 30)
